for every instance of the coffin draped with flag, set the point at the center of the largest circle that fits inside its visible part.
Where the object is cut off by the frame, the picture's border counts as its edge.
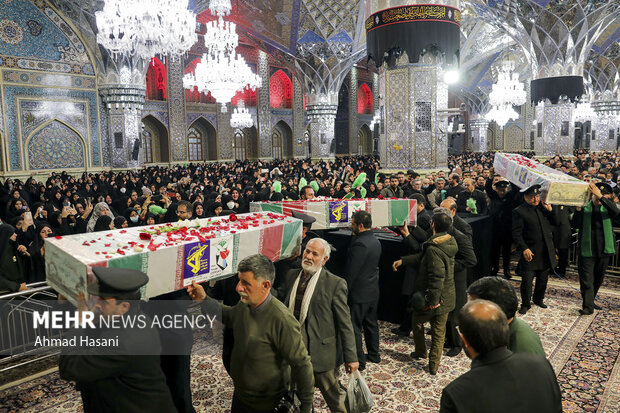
(556, 187)
(172, 255)
(336, 213)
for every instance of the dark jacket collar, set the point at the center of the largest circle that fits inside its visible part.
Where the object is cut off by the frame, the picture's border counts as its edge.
(493, 356)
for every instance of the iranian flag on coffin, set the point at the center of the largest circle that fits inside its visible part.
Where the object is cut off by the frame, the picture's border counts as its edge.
(557, 187)
(273, 242)
(336, 213)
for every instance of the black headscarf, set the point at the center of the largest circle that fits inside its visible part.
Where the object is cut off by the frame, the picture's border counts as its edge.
(119, 221)
(6, 231)
(103, 223)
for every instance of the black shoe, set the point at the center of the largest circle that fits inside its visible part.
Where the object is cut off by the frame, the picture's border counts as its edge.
(376, 359)
(597, 307)
(399, 332)
(432, 372)
(586, 311)
(362, 367)
(417, 356)
(453, 352)
(523, 309)
(507, 275)
(541, 304)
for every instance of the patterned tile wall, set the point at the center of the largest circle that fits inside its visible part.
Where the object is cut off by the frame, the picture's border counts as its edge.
(176, 110)
(353, 130)
(34, 36)
(398, 145)
(14, 94)
(264, 124)
(299, 120)
(225, 134)
(55, 146)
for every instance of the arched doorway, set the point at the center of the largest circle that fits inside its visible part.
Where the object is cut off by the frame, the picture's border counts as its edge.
(239, 148)
(364, 100)
(155, 142)
(282, 141)
(156, 81)
(364, 140)
(342, 121)
(202, 141)
(280, 91)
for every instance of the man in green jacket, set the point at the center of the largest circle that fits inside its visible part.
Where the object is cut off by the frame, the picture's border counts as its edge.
(267, 340)
(433, 297)
(498, 290)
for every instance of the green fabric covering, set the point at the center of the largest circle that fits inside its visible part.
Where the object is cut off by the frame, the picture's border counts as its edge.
(348, 196)
(302, 183)
(586, 238)
(471, 204)
(277, 186)
(363, 192)
(157, 210)
(359, 180)
(314, 186)
(523, 339)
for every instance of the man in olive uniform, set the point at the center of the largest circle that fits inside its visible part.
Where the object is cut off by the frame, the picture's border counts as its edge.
(267, 341)
(124, 379)
(502, 196)
(596, 242)
(532, 232)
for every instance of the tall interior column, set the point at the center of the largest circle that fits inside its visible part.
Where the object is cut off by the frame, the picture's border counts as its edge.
(321, 111)
(412, 78)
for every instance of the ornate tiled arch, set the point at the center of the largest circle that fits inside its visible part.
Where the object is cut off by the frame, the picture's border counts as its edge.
(55, 145)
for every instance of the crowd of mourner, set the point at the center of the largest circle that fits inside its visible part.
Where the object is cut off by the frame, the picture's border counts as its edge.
(296, 313)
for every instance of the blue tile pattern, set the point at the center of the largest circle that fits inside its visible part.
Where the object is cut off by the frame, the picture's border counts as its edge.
(34, 36)
(11, 95)
(55, 146)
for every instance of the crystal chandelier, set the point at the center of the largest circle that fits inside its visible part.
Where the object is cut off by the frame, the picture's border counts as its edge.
(145, 28)
(508, 89)
(241, 117)
(501, 115)
(221, 71)
(583, 111)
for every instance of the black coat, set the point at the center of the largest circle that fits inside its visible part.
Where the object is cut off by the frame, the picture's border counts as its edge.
(562, 232)
(424, 220)
(460, 224)
(506, 382)
(120, 383)
(478, 196)
(500, 209)
(532, 227)
(417, 236)
(362, 274)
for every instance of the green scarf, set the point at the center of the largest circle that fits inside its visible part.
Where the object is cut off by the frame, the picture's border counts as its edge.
(586, 239)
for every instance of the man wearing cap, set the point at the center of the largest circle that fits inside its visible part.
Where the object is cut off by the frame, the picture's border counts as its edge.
(318, 299)
(127, 378)
(267, 340)
(596, 242)
(502, 201)
(532, 232)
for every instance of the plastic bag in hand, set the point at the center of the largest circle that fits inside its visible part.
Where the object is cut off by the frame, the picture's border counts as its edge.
(359, 398)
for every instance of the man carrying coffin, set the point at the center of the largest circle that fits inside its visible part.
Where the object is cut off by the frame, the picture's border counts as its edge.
(596, 242)
(532, 232)
(118, 379)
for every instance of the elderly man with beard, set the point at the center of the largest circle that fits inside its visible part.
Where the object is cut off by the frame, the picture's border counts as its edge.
(318, 300)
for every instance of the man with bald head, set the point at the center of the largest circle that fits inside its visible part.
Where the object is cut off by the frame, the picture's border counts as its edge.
(458, 222)
(512, 382)
(463, 203)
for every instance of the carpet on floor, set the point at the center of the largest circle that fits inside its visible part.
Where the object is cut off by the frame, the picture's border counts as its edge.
(584, 351)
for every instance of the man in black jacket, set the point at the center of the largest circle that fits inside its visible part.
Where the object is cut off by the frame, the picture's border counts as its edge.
(363, 284)
(118, 380)
(532, 232)
(470, 192)
(512, 382)
(596, 242)
(503, 197)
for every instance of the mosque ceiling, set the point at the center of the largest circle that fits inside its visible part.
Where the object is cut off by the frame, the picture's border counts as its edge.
(546, 36)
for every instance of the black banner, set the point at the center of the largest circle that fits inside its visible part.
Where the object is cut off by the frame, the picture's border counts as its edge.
(415, 29)
(412, 13)
(553, 87)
